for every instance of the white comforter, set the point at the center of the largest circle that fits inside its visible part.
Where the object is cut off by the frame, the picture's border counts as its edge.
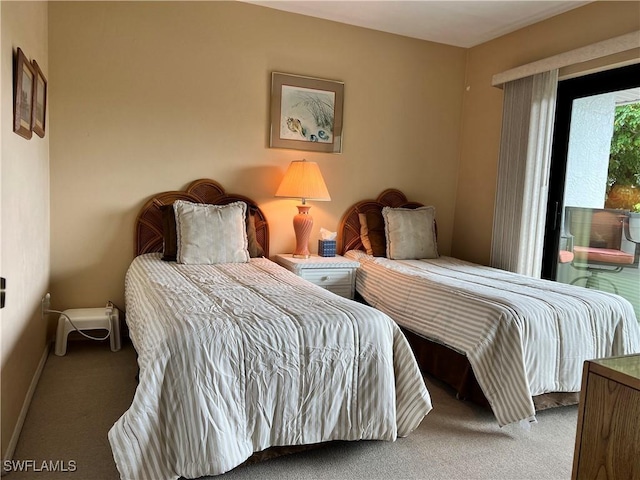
(522, 336)
(236, 358)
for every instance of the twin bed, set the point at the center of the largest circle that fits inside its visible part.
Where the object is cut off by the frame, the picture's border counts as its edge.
(239, 357)
(509, 341)
(242, 357)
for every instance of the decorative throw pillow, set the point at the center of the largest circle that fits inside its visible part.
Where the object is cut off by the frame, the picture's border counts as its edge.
(169, 235)
(170, 240)
(410, 233)
(372, 233)
(364, 233)
(209, 234)
(255, 249)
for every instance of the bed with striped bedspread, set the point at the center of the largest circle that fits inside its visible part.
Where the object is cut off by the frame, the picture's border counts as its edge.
(522, 336)
(235, 358)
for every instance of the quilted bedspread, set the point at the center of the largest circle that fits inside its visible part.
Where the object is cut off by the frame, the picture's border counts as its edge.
(235, 358)
(522, 336)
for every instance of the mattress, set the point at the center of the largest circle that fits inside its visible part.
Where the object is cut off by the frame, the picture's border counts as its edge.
(236, 358)
(522, 336)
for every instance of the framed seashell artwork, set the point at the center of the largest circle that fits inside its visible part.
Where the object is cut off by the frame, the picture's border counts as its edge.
(306, 113)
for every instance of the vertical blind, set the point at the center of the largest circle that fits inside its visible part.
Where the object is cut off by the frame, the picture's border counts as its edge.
(523, 173)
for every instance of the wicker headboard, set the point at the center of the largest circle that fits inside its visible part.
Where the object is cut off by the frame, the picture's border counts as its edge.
(148, 231)
(349, 230)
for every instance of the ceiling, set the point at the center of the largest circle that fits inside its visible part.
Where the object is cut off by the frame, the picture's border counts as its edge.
(453, 22)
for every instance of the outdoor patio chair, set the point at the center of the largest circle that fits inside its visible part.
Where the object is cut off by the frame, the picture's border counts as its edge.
(597, 236)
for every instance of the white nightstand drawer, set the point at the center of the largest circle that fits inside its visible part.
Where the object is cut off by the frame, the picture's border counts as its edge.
(336, 274)
(328, 277)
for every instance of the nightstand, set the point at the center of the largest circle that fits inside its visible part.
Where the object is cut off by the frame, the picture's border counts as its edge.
(336, 274)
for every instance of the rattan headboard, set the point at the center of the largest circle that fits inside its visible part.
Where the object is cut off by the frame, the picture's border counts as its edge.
(148, 228)
(349, 230)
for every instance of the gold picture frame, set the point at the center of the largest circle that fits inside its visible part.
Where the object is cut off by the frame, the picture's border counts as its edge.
(24, 81)
(39, 115)
(306, 113)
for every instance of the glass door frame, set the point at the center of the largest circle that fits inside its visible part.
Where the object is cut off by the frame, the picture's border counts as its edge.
(569, 90)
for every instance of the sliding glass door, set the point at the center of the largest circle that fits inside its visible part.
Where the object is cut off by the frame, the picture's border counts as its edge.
(592, 235)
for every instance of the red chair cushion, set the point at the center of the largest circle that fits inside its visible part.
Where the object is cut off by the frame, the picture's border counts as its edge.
(602, 255)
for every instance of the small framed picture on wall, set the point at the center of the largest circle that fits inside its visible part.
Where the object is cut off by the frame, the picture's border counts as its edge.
(39, 113)
(24, 83)
(306, 113)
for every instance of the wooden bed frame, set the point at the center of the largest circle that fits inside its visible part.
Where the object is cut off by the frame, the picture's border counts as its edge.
(435, 359)
(148, 227)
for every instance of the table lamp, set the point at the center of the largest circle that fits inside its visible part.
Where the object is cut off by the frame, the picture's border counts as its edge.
(303, 180)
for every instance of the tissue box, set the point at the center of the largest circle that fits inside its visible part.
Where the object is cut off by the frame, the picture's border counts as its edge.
(327, 248)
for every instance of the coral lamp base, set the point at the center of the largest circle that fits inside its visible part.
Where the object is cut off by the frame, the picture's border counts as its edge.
(302, 225)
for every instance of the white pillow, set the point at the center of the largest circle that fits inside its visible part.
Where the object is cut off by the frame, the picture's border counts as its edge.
(411, 233)
(208, 234)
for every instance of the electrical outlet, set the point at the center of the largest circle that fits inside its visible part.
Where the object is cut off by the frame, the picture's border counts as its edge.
(46, 304)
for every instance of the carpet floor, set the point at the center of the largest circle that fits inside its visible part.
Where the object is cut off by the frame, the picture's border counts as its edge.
(82, 394)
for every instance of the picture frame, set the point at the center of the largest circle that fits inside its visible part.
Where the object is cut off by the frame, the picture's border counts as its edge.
(24, 81)
(39, 114)
(306, 113)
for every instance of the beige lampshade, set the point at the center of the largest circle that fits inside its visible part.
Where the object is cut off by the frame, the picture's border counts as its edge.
(303, 180)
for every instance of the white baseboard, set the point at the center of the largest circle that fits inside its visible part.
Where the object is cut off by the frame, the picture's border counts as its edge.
(25, 408)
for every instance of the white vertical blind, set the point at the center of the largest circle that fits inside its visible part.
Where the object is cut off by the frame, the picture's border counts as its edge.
(523, 173)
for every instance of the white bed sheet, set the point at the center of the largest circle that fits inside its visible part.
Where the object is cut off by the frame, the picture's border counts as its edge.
(522, 336)
(236, 358)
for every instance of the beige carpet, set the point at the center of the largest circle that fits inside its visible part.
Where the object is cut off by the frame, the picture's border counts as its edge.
(82, 394)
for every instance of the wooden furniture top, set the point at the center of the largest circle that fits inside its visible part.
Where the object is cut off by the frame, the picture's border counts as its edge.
(624, 369)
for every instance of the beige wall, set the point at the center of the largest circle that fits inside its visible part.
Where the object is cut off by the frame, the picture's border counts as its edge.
(149, 96)
(482, 113)
(24, 224)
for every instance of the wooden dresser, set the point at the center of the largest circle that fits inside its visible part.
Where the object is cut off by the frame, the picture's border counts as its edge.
(608, 430)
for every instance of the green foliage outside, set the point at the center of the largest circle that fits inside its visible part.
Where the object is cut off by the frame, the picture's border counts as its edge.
(624, 162)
